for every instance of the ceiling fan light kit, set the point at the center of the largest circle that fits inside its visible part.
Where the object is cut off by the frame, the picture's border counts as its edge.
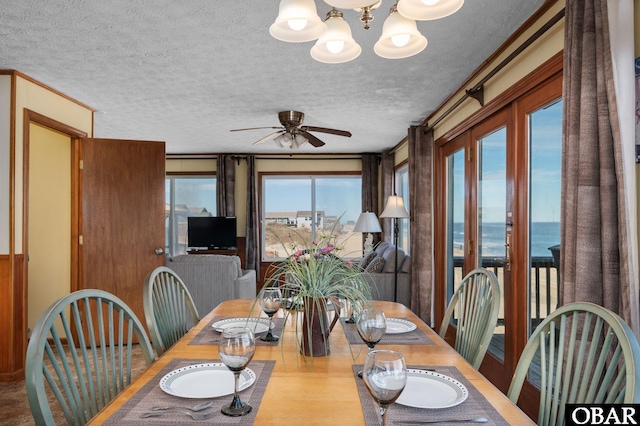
(400, 36)
(297, 21)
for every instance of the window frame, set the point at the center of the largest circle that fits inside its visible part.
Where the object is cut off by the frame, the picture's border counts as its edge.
(170, 178)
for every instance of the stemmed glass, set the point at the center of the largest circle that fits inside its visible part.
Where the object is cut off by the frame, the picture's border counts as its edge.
(271, 301)
(371, 325)
(385, 375)
(236, 348)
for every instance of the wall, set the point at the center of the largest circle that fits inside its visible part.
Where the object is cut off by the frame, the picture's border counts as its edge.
(5, 118)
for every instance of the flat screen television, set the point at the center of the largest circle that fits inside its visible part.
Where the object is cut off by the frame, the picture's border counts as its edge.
(211, 232)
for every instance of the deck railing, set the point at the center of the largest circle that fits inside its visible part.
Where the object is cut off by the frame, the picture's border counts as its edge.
(544, 288)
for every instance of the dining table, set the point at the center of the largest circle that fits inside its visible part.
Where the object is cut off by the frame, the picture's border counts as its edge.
(289, 388)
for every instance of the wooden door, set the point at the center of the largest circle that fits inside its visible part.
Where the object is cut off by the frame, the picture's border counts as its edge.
(121, 214)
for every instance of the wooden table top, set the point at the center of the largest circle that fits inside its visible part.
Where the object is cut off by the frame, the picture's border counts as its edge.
(309, 393)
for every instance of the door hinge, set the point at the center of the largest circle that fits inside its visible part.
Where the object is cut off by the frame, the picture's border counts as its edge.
(81, 164)
(470, 247)
(81, 240)
(469, 154)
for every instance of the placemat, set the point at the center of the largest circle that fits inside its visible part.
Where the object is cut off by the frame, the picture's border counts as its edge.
(476, 405)
(207, 334)
(415, 337)
(151, 395)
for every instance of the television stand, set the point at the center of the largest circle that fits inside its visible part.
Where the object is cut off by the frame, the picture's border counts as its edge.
(225, 252)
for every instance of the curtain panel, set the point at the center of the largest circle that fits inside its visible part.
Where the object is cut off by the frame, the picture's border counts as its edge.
(225, 186)
(370, 188)
(595, 247)
(388, 189)
(252, 240)
(421, 222)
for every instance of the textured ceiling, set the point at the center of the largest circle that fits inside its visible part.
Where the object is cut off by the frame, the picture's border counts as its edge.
(188, 72)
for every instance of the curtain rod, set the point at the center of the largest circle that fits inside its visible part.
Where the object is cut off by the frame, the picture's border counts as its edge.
(477, 91)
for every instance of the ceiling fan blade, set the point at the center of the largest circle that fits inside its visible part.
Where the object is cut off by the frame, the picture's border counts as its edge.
(254, 128)
(269, 137)
(312, 139)
(325, 130)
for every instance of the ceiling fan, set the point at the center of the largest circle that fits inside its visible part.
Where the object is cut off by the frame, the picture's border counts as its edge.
(292, 134)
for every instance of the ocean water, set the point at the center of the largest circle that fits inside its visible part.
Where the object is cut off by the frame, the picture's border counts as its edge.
(543, 236)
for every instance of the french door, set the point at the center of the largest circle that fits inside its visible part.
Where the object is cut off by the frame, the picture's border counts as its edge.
(498, 198)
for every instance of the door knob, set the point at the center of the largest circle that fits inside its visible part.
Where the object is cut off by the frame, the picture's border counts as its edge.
(159, 250)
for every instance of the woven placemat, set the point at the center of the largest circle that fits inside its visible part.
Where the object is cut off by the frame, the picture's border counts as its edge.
(151, 395)
(476, 405)
(415, 337)
(207, 334)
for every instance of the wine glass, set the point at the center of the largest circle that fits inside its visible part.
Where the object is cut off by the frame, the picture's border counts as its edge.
(237, 346)
(271, 301)
(371, 325)
(385, 375)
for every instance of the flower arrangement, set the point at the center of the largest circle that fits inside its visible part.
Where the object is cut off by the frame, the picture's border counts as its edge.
(314, 278)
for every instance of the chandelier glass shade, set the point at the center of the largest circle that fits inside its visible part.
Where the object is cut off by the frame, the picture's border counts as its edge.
(400, 37)
(427, 10)
(350, 4)
(336, 45)
(297, 21)
(288, 140)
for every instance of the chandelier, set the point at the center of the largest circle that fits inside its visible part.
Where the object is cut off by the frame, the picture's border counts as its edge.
(298, 21)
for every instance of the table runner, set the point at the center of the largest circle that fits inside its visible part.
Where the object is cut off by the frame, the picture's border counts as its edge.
(208, 333)
(415, 337)
(151, 394)
(476, 405)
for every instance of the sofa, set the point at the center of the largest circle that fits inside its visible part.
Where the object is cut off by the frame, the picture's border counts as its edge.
(378, 267)
(212, 279)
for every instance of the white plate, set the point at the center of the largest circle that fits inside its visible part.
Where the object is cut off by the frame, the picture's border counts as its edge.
(428, 389)
(204, 381)
(398, 326)
(257, 325)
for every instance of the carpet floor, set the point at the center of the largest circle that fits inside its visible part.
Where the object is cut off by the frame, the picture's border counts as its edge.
(14, 403)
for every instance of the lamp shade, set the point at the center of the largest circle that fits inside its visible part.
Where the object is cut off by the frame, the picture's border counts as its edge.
(336, 45)
(427, 10)
(394, 208)
(297, 21)
(400, 37)
(367, 222)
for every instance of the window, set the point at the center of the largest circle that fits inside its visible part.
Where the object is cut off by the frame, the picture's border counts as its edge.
(402, 189)
(186, 196)
(298, 209)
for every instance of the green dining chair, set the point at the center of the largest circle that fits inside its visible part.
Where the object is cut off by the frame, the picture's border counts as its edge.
(581, 353)
(474, 311)
(80, 353)
(168, 308)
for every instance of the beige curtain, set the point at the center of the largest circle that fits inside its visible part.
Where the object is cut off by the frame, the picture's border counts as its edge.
(421, 222)
(225, 186)
(595, 245)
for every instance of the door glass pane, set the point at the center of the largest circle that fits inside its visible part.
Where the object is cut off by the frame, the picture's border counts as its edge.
(545, 145)
(455, 221)
(491, 237)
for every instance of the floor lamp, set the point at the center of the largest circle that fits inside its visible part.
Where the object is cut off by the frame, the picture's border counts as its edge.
(395, 210)
(367, 222)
